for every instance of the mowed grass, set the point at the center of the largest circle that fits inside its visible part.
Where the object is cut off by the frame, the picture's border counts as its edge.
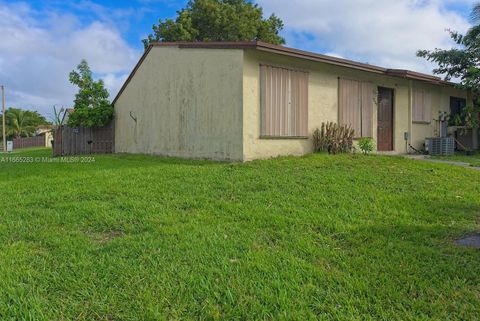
(473, 160)
(346, 237)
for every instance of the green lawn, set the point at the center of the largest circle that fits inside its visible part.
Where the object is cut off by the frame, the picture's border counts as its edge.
(346, 237)
(473, 160)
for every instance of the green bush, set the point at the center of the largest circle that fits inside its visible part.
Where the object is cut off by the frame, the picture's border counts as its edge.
(366, 145)
(97, 116)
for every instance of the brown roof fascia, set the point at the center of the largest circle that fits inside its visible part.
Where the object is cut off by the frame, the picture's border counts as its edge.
(407, 74)
(291, 52)
(207, 45)
(401, 73)
(145, 53)
(219, 44)
(318, 57)
(263, 46)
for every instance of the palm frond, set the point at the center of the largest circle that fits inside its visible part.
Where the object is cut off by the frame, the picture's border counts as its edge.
(475, 14)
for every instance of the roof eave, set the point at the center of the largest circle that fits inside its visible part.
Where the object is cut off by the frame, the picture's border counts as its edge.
(291, 52)
(130, 76)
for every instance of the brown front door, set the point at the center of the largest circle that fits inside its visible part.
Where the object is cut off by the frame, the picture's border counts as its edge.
(385, 119)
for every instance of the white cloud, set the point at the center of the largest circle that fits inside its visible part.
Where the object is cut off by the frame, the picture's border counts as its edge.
(113, 82)
(39, 49)
(386, 33)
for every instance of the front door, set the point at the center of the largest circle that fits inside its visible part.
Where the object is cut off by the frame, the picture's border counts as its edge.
(385, 119)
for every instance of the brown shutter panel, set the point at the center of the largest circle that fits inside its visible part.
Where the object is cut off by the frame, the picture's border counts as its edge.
(355, 106)
(293, 100)
(284, 102)
(274, 103)
(356, 101)
(349, 105)
(279, 106)
(367, 109)
(343, 103)
(418, 101)
(303, 105)
(422, 106)
(264, 102)
(417, 113)
(427, 107)
(285, 117)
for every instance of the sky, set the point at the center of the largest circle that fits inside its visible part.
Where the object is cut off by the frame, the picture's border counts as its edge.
(41, 41)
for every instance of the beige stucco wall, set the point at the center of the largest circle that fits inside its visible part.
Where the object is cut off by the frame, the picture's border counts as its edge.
(440, 102)
(205, 103)
(323, 104)
(48, 138)
(188, 103)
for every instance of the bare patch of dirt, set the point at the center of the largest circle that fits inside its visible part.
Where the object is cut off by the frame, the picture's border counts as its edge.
(104, 237)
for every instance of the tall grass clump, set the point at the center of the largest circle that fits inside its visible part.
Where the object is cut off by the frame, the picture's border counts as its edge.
(333, 138)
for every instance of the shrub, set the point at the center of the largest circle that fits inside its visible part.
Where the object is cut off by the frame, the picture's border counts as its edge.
(366, 145)
(333, 138)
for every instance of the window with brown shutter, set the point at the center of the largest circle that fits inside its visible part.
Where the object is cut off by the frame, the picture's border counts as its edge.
(284, 102)
(422, 106)
(355, 106)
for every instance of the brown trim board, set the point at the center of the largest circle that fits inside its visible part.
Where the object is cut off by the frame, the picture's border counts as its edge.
(142, 58)
(291, 52)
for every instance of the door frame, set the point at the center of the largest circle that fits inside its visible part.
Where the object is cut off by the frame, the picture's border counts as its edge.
(392, 147)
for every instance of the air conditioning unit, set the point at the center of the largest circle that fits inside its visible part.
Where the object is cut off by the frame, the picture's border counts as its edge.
(440, 145)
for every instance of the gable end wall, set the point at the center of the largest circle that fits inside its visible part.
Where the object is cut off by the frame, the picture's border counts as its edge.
(187, 103)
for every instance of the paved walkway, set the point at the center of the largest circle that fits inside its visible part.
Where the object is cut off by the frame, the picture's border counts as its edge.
(470, 241)
(428, 159)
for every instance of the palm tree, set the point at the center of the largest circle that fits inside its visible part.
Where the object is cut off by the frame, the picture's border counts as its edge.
(20, 123)
(475, 15)
(471, 37)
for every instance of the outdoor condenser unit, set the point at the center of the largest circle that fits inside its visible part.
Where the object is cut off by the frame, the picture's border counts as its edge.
(440, 145)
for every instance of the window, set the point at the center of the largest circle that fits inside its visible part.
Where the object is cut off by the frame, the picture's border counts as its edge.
(422, 106)
(457, 104)
(355, 106)
(284, 102)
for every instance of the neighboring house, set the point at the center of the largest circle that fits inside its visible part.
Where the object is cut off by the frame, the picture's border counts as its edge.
(47, 132)
(42, 129)
(66, 115)
(249, 100)
(43, 138)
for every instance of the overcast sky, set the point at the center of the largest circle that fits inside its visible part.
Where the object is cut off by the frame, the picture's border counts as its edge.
(41, 41)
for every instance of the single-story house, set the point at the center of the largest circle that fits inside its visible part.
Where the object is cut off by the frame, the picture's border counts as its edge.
(249, 100)
(47, 132)
(66, 115)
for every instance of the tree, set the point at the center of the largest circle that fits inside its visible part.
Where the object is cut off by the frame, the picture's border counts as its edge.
(462, 62)
(218, 20)
(22, 123)
(91, 105)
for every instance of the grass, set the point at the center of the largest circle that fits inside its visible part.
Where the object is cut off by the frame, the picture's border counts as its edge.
(346, 237)
(473, 160)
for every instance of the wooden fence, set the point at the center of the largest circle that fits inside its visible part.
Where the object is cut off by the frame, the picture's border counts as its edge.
(82, 140)
(26, 142)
